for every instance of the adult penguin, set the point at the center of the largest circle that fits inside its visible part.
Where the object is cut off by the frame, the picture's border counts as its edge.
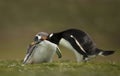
(76, 40)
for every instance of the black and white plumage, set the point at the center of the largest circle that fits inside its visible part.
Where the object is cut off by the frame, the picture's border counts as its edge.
(78, 41)
(40, 52)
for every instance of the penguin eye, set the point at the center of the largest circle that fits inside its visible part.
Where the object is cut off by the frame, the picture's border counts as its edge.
(37, 38)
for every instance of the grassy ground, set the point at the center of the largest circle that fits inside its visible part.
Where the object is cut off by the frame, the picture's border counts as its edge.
(64, 68)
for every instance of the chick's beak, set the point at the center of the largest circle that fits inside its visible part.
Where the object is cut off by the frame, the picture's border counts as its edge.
(34, 43)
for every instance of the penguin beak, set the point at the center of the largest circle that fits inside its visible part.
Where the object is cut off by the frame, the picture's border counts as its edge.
(34, 43)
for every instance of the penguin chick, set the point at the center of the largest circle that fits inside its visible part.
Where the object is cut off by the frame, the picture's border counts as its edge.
(39, 52)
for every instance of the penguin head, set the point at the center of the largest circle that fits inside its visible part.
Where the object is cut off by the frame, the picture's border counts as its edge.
(41, 36)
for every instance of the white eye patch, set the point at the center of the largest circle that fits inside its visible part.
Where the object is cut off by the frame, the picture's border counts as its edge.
(39, 37)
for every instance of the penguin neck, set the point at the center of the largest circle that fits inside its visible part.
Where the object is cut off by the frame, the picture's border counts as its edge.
(55, 38)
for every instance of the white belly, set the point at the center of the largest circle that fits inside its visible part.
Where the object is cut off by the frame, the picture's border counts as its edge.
(66, 44)
(43, 52)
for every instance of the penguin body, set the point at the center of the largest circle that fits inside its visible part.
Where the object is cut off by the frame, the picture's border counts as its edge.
(76, 40)
(41, 52)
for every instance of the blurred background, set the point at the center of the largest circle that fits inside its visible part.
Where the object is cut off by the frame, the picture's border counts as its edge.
(20, 20)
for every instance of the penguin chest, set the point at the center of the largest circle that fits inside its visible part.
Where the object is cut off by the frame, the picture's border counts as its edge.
(66, 44)
(43, 52)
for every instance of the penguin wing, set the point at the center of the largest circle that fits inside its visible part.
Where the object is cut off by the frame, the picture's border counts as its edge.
(29, 52)
(53, 45)
(58, 52)
(78, 43)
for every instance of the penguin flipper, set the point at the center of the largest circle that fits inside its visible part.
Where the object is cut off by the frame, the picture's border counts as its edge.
(58, 52)
(77, 46)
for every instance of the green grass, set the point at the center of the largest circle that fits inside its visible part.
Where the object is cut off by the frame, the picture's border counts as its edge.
(64, 68)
